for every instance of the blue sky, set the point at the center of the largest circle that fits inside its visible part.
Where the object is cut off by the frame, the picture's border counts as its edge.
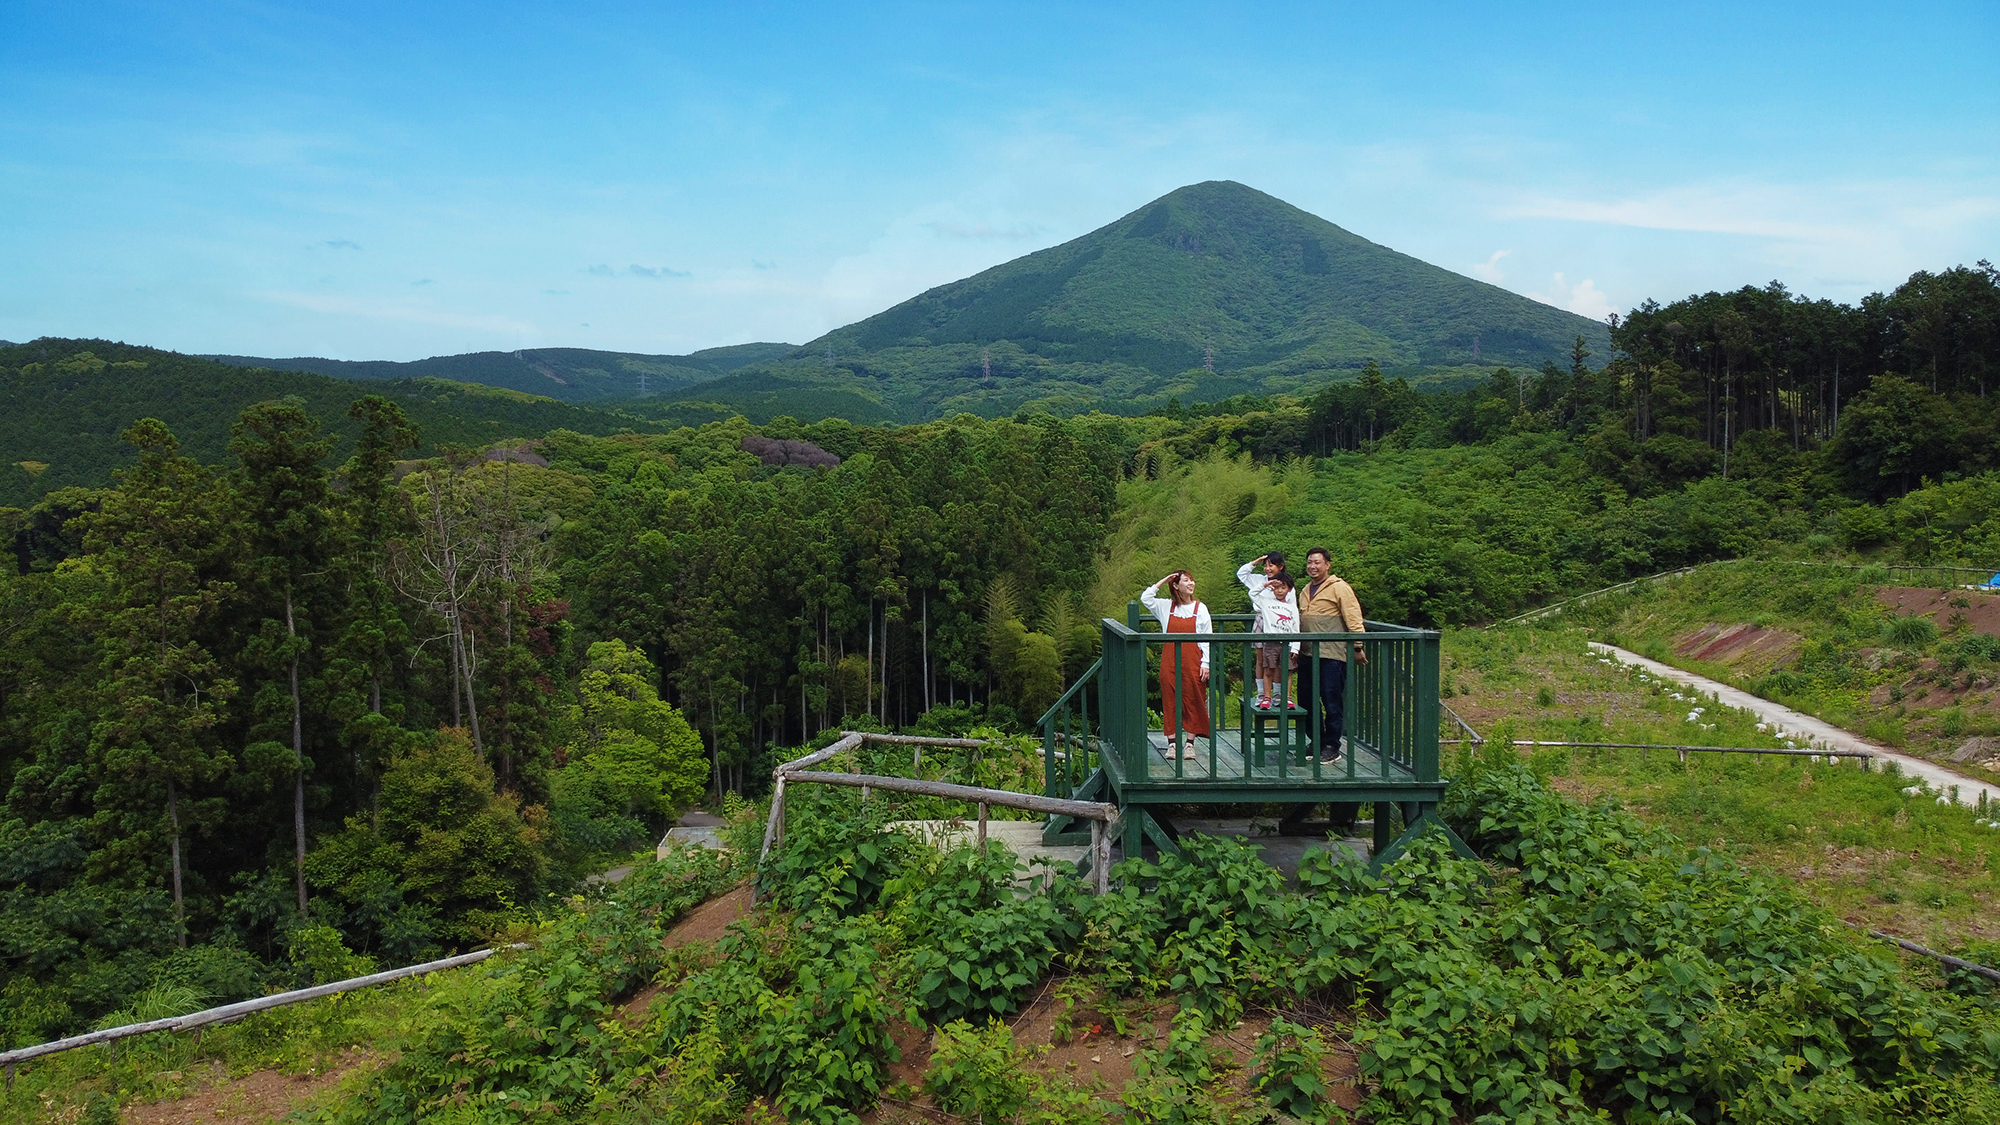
(402, 180)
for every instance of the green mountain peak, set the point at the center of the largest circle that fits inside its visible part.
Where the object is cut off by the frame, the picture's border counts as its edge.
(1213, 289)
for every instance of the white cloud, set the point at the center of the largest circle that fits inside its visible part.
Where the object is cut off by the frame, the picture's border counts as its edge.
(1489, 270)
(1583, 298)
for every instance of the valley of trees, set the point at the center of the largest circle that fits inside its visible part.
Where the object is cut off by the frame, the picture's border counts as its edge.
(300, 684)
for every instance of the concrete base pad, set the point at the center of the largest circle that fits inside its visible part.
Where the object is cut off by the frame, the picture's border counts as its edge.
(1024, 839)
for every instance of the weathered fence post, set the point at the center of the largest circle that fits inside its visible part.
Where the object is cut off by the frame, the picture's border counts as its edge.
(1100, 856)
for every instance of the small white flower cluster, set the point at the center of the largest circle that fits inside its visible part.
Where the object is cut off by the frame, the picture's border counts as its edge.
(1694, 716)
(1993, 824)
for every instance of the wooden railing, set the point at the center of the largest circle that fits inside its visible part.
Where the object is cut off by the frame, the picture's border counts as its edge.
(799, 771)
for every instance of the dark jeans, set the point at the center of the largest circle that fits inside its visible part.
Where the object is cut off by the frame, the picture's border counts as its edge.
(1332, 704)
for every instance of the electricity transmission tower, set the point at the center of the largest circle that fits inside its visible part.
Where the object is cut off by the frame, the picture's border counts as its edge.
(1209, 358)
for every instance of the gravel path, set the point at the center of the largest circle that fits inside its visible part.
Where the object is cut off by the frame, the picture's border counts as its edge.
(1806, 728)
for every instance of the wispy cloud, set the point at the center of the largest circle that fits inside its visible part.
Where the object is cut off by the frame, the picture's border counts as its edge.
(407, 314)
(1489, 270)
(757, 265)
(984, 232)
(1765, 212)
(340, 244)
(1583, 298)
(421, 282)
(635, 270)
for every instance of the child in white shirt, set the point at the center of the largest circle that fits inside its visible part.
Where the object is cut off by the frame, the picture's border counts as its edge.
(1272, 598)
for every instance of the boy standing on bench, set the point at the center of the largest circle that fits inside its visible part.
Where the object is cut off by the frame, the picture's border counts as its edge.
(1277, 612)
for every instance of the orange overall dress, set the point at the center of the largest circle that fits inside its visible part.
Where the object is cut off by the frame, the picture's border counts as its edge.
(1190, 693)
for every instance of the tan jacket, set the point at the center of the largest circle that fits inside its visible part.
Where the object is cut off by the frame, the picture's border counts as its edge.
(1331, 609)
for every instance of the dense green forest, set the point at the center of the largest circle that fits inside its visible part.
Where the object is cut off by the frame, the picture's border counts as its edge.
(330, 674)
(405, 699)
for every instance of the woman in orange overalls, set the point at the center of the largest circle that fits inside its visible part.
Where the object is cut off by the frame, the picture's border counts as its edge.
(1183, 667)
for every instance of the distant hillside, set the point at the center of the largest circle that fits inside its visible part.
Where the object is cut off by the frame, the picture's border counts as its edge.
(1135, 312)
(570, 374)
(63, 404)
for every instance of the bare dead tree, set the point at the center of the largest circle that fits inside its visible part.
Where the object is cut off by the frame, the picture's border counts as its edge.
(439, 570)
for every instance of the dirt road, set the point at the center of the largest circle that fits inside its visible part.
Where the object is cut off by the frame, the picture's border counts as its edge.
(1806, 728)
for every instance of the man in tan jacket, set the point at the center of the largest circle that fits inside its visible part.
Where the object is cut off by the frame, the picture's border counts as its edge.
(1328, 605)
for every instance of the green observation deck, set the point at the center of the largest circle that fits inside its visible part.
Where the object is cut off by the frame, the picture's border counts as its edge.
(1102, 741)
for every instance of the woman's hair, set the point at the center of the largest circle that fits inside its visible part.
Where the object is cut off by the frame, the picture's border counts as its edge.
(1275, 558)
(1174, 586)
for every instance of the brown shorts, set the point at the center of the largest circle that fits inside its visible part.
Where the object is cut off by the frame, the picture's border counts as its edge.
(1271, 653)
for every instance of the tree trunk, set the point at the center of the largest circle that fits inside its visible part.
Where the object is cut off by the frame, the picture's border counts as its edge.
(298, 766)
(465, 645)
(174, 819)
(451, 650)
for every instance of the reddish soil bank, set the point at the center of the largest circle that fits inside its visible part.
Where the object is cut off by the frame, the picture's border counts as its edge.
(1740, 644)
(1981, 613)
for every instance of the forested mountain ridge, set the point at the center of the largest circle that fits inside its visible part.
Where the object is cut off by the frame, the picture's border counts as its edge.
(1213, 290)
(63, 404)
(569, 374)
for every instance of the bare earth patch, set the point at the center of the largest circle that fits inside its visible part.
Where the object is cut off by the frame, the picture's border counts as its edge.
(709, 921)
(266, 1095)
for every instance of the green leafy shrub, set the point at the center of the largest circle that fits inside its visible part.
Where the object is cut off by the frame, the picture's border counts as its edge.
(976, 1073)
(1291, 1073)
(836, 853)
(1207, 923)
(805, 1017)
(979, 946)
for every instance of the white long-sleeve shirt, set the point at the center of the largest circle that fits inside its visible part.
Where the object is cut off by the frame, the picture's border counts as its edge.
(1274, 614)
(1161, 608)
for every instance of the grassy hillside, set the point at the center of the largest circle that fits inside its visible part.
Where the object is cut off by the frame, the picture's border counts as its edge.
(63, 404)
(570, 374)
(1427, 536)
(1852, 841)
(1914, 668)
(1127, 315)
